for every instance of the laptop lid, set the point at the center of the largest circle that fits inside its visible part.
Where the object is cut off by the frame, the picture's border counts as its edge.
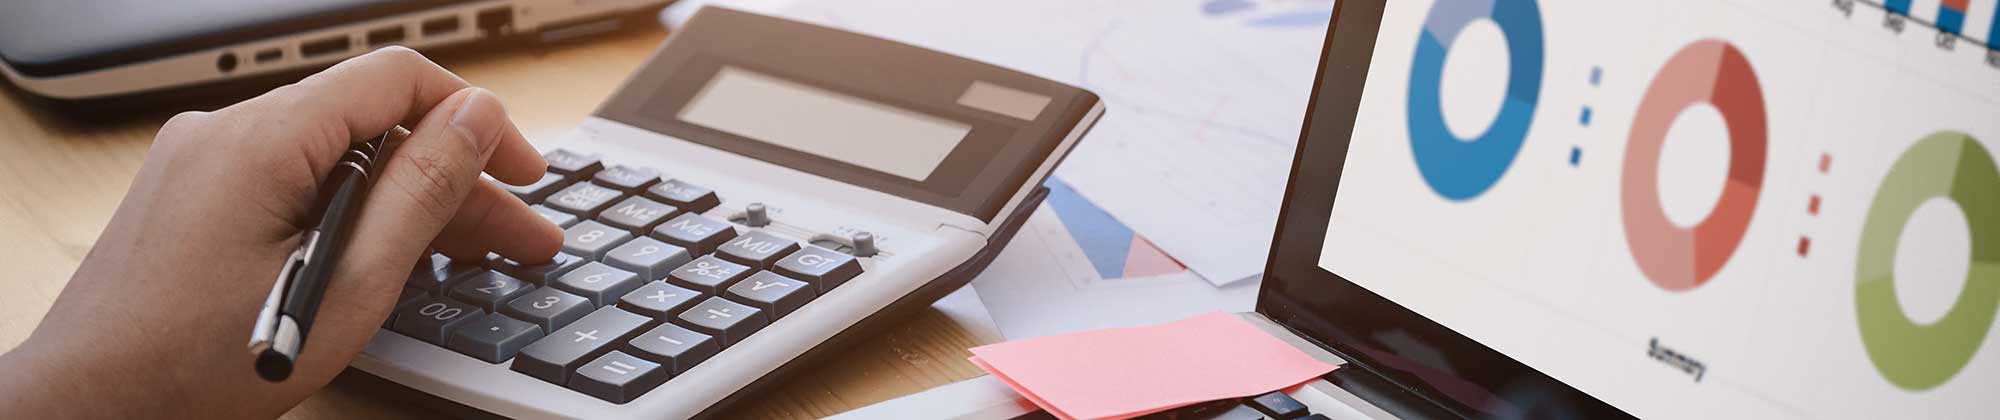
(1668, 209)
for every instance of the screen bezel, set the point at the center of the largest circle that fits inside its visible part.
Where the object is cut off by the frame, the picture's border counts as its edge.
(978, 178)
(1349, 319)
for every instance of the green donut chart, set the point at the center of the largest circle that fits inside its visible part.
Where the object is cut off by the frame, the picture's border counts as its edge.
(1916, 357)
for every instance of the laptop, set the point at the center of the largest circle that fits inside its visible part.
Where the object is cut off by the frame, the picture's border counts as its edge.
(1690, 209)
(127, 51)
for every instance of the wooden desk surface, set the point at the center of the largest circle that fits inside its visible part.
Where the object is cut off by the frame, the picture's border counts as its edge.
(61, 179)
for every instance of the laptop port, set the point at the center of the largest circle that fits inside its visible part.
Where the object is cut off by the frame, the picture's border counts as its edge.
(385, 36)
(440, 26)
(322, 47)
(269, 55)
(226, 63)
(496, 21)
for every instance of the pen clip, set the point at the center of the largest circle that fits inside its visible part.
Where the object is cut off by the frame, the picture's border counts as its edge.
(263, 335)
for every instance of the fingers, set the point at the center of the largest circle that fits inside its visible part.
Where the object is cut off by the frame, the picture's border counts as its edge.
(491, 219)
(429, 188)
(362, 97)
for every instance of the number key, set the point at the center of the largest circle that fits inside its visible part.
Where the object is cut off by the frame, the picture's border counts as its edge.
(535, 192)
(490, 289)
(434, 319)
(650, 258)
(548, 308)
(602, 284)
(562, 220)
(591, 240)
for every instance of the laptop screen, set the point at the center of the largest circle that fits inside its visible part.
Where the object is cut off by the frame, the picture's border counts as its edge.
(1686, 209)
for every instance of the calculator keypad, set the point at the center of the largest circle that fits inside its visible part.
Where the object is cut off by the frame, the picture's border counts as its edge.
(646, 288)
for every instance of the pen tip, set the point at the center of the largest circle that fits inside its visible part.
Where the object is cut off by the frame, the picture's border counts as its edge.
(273, 366)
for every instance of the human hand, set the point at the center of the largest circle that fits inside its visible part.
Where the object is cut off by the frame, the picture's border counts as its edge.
(155, 321)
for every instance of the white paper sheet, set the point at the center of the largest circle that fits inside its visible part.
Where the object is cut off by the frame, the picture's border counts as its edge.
(1044, 284)
(1205, 101)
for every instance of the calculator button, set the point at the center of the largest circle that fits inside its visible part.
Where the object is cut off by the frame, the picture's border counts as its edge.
(729, 322)
(618, 377)
(489, 290)
(650, 258)
(410, 296)
(637, 214)
(591, 240)
(628, 178)
(657, 299)
(773, 293)
(567, 162)
(432, 319)
(708, 274)
(540, 273)
(695, 232)
(600, 283)
(824, 268)
(493, 337)
(535, 192)
(548, 308)
(437, 282)
(757, 249)
(690, 197)
(553, 357)
(436, 261)
(678, 348)
(583, 199)
(560, 219)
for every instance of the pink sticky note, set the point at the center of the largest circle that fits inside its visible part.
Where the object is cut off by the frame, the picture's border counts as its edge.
(1128, 372)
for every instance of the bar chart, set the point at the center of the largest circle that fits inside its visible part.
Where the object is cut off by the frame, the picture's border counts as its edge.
(1950, 19)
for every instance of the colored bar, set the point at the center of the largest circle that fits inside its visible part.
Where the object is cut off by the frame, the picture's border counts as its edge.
(1901, 7)
(1993, 30)
(1951, 16)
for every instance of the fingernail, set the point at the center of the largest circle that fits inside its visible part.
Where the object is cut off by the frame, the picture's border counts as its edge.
(480, 116)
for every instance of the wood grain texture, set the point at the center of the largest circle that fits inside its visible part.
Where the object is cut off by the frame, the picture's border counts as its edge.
(61, 178)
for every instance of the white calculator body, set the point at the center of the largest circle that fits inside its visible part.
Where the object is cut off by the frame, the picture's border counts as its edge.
(831, 137)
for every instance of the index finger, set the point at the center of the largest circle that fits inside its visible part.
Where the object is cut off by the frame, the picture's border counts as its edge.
(364, 96)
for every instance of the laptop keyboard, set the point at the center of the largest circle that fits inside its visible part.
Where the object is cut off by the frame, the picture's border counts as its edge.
(645, 287)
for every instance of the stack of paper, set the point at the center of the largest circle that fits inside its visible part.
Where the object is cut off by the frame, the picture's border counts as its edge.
(1128, 372)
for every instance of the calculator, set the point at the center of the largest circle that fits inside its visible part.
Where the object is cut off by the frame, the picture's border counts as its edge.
(757, 194)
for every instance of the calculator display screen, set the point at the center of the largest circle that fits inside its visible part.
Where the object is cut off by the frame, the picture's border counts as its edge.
(833, 125)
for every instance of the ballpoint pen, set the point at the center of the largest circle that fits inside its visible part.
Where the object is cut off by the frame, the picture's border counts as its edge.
(287, 315)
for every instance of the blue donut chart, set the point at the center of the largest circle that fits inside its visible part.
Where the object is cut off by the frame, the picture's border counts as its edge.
(1459, 168)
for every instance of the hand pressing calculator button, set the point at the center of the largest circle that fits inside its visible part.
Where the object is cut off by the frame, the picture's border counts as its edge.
(654, 307)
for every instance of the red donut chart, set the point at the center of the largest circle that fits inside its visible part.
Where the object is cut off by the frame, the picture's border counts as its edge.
(1679, 258)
